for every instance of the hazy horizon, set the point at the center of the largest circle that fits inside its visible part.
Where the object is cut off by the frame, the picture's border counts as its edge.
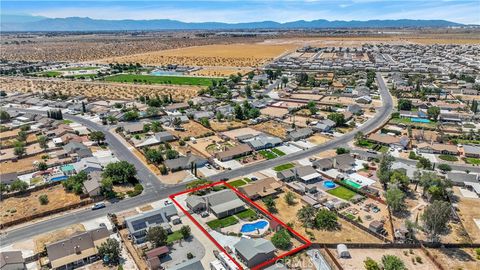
(465, 12)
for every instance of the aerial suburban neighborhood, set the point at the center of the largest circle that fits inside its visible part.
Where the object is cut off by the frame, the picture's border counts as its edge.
(239, 146)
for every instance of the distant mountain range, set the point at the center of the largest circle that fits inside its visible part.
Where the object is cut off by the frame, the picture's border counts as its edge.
(35, 23)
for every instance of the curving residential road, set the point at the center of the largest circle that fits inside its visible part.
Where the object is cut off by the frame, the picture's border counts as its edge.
(375, 122)
(155, 190)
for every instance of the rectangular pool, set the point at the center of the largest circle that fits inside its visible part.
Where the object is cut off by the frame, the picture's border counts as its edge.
(419, 120)
(351, 183)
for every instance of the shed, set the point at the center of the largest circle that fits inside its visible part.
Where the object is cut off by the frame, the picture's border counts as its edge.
(342, 251)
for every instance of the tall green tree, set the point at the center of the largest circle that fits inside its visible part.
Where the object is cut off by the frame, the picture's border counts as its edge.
(157, 236)
(435, 219)
(326, 220)
(306, 215)
(110, 251)
(395, 199)
(120, 172)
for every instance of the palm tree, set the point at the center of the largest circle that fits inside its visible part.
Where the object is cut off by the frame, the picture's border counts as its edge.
(306, 215)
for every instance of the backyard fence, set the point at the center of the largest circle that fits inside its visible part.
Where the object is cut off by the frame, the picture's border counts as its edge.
(363, 228)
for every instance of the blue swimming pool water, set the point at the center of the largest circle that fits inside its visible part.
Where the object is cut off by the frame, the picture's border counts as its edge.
(329, 184)
(419, 120)
(166, 73)
(59, 178)
(251, 227)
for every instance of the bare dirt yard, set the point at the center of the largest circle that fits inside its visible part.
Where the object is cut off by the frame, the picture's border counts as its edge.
(347, 232)
(456, 258)
(468, 212)
(14, 208)
(219, 71)
(408, 256)
(207, 146)
(220, 126)
(274, 111)
(318, 139)
(26, 164)
(97, 89)
(192, 129)
(273, 128)
(231, 55)
(232, 134)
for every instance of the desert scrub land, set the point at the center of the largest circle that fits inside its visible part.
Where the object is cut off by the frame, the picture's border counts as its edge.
(97, 89)
(231, 55)
(90, 47)
(151, 79)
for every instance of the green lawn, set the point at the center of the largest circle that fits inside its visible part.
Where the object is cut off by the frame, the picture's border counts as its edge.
(342, 192)
(223, 222)
(176, 235)
(267, 154)
(448, 157)
(66, 121)
(474, 161)
(283, 167)
(50, 74)
(278, 152)
(365, 144)
(148, 79)
(246, 179)
(238, 183)
(247, 214)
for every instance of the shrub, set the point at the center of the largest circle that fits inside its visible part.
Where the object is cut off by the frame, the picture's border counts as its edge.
(43, 199)
(190, 256)
(418, 259)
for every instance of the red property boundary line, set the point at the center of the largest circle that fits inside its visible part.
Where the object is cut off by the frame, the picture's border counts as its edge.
(270, 215)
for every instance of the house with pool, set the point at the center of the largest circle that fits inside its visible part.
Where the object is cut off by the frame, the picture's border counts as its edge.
(221, 203)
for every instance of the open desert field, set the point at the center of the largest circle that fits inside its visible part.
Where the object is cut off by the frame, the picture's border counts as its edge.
(273, 128)
(219, 71)
(231, 55)
(97, 89)
(90, 47)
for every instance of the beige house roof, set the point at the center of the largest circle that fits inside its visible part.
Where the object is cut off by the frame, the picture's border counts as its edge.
(76, 247)
(438, 147)
(262, 187)
(235, 151)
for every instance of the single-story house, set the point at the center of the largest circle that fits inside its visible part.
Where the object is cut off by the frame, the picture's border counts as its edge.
(154, 255)
(299, 134)
(133, 128)
(157, 138)
(438, 148)
(202, 114)
(261, 188)
(177, 106)
(354, 108)
(459, 177)
(76, 250)
(8, 178)
(12, 260)
(254, 251)
(263, 141)
(364, 100)
(183, 163)
(80, 149)
(88, 165)
(324, 125)
(286, 175)
(222, 203)
(471, 151)
(234, 152)
(93, 183)
(343, 163)
(389, 140)
(138, 225)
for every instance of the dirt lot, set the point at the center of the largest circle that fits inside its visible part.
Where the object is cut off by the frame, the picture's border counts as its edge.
(456, 258)
(192, 129)
(338, 100)
(232, 134)
(24, 206)
(43, 239)
(359, 255)
(318, 139)
(273, 127)
(226, 125)
(97, 89)
(347, 233)
(274, 112)
(299, 121)
(219, 71)
(231, 55)
(306, 96)
(468, 211)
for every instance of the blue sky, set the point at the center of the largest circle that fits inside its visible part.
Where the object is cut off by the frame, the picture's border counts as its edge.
(246, 11)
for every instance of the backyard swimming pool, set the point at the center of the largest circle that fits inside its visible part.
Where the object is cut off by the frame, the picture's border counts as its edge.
(351, 183)
(252, 227)
(329, 184)
(419, 120)
(58, 178)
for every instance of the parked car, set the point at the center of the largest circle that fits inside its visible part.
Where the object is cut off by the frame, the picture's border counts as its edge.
(98, 205)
